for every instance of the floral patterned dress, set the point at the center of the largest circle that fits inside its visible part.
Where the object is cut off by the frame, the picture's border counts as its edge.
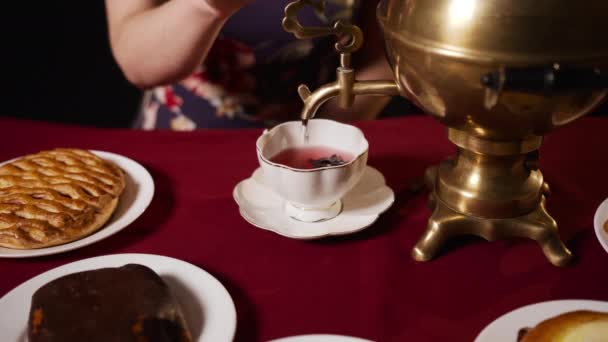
(251, 74)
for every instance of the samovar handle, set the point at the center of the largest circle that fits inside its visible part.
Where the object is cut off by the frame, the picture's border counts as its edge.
(541, 79)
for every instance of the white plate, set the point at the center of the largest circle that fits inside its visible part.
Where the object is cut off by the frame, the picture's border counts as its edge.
(601, 216)
(263, 208)
(207, 306)
(506, 327)
(320, 338)
(137, 195)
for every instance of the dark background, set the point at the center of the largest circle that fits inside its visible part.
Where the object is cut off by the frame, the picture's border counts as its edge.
(58, 66)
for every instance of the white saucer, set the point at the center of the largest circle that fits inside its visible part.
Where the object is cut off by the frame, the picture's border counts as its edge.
(320, 338)
(601, 216)
(207, 306)
(263, 208)
(506, 327)
(137, 195)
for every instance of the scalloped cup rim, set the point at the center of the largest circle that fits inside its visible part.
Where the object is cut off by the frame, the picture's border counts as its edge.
(363, 151)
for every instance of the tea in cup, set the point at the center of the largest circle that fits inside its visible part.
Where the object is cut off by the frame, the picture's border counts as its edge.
(312, 168)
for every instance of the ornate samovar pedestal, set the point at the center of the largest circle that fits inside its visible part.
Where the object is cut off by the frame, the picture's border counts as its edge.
(493, 190)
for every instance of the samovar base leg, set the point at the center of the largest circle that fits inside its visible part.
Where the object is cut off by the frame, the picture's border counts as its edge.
(446, 223)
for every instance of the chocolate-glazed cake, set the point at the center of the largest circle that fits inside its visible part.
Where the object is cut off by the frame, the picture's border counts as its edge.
(129, 303)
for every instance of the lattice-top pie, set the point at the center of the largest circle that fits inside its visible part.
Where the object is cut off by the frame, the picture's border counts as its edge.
(54, 197)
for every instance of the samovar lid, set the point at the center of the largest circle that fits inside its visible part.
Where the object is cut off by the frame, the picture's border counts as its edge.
(506, 31)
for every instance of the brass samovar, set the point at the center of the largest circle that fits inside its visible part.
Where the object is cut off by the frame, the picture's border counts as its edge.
(500, 74)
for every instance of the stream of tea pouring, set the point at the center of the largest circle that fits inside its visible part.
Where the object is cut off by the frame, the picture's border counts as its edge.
(305, 131)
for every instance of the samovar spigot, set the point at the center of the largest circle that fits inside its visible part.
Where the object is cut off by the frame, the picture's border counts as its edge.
(346, 87)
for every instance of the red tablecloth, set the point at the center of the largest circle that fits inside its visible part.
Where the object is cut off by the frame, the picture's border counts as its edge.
(363, 285)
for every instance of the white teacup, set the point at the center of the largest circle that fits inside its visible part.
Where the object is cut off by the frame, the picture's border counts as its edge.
(312, 195)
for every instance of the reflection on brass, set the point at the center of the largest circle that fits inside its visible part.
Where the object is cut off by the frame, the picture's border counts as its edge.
(500, 74)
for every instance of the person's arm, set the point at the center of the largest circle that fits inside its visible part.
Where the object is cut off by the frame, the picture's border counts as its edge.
(370, 64)
(159, 42)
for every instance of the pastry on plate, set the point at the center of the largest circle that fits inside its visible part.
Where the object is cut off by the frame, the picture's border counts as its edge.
(54, 197)
(576, 326)
(128, 303)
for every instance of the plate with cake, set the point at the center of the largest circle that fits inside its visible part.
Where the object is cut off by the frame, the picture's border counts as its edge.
(600, 223)
(59, 200)
(555, 321)
(121, 297)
